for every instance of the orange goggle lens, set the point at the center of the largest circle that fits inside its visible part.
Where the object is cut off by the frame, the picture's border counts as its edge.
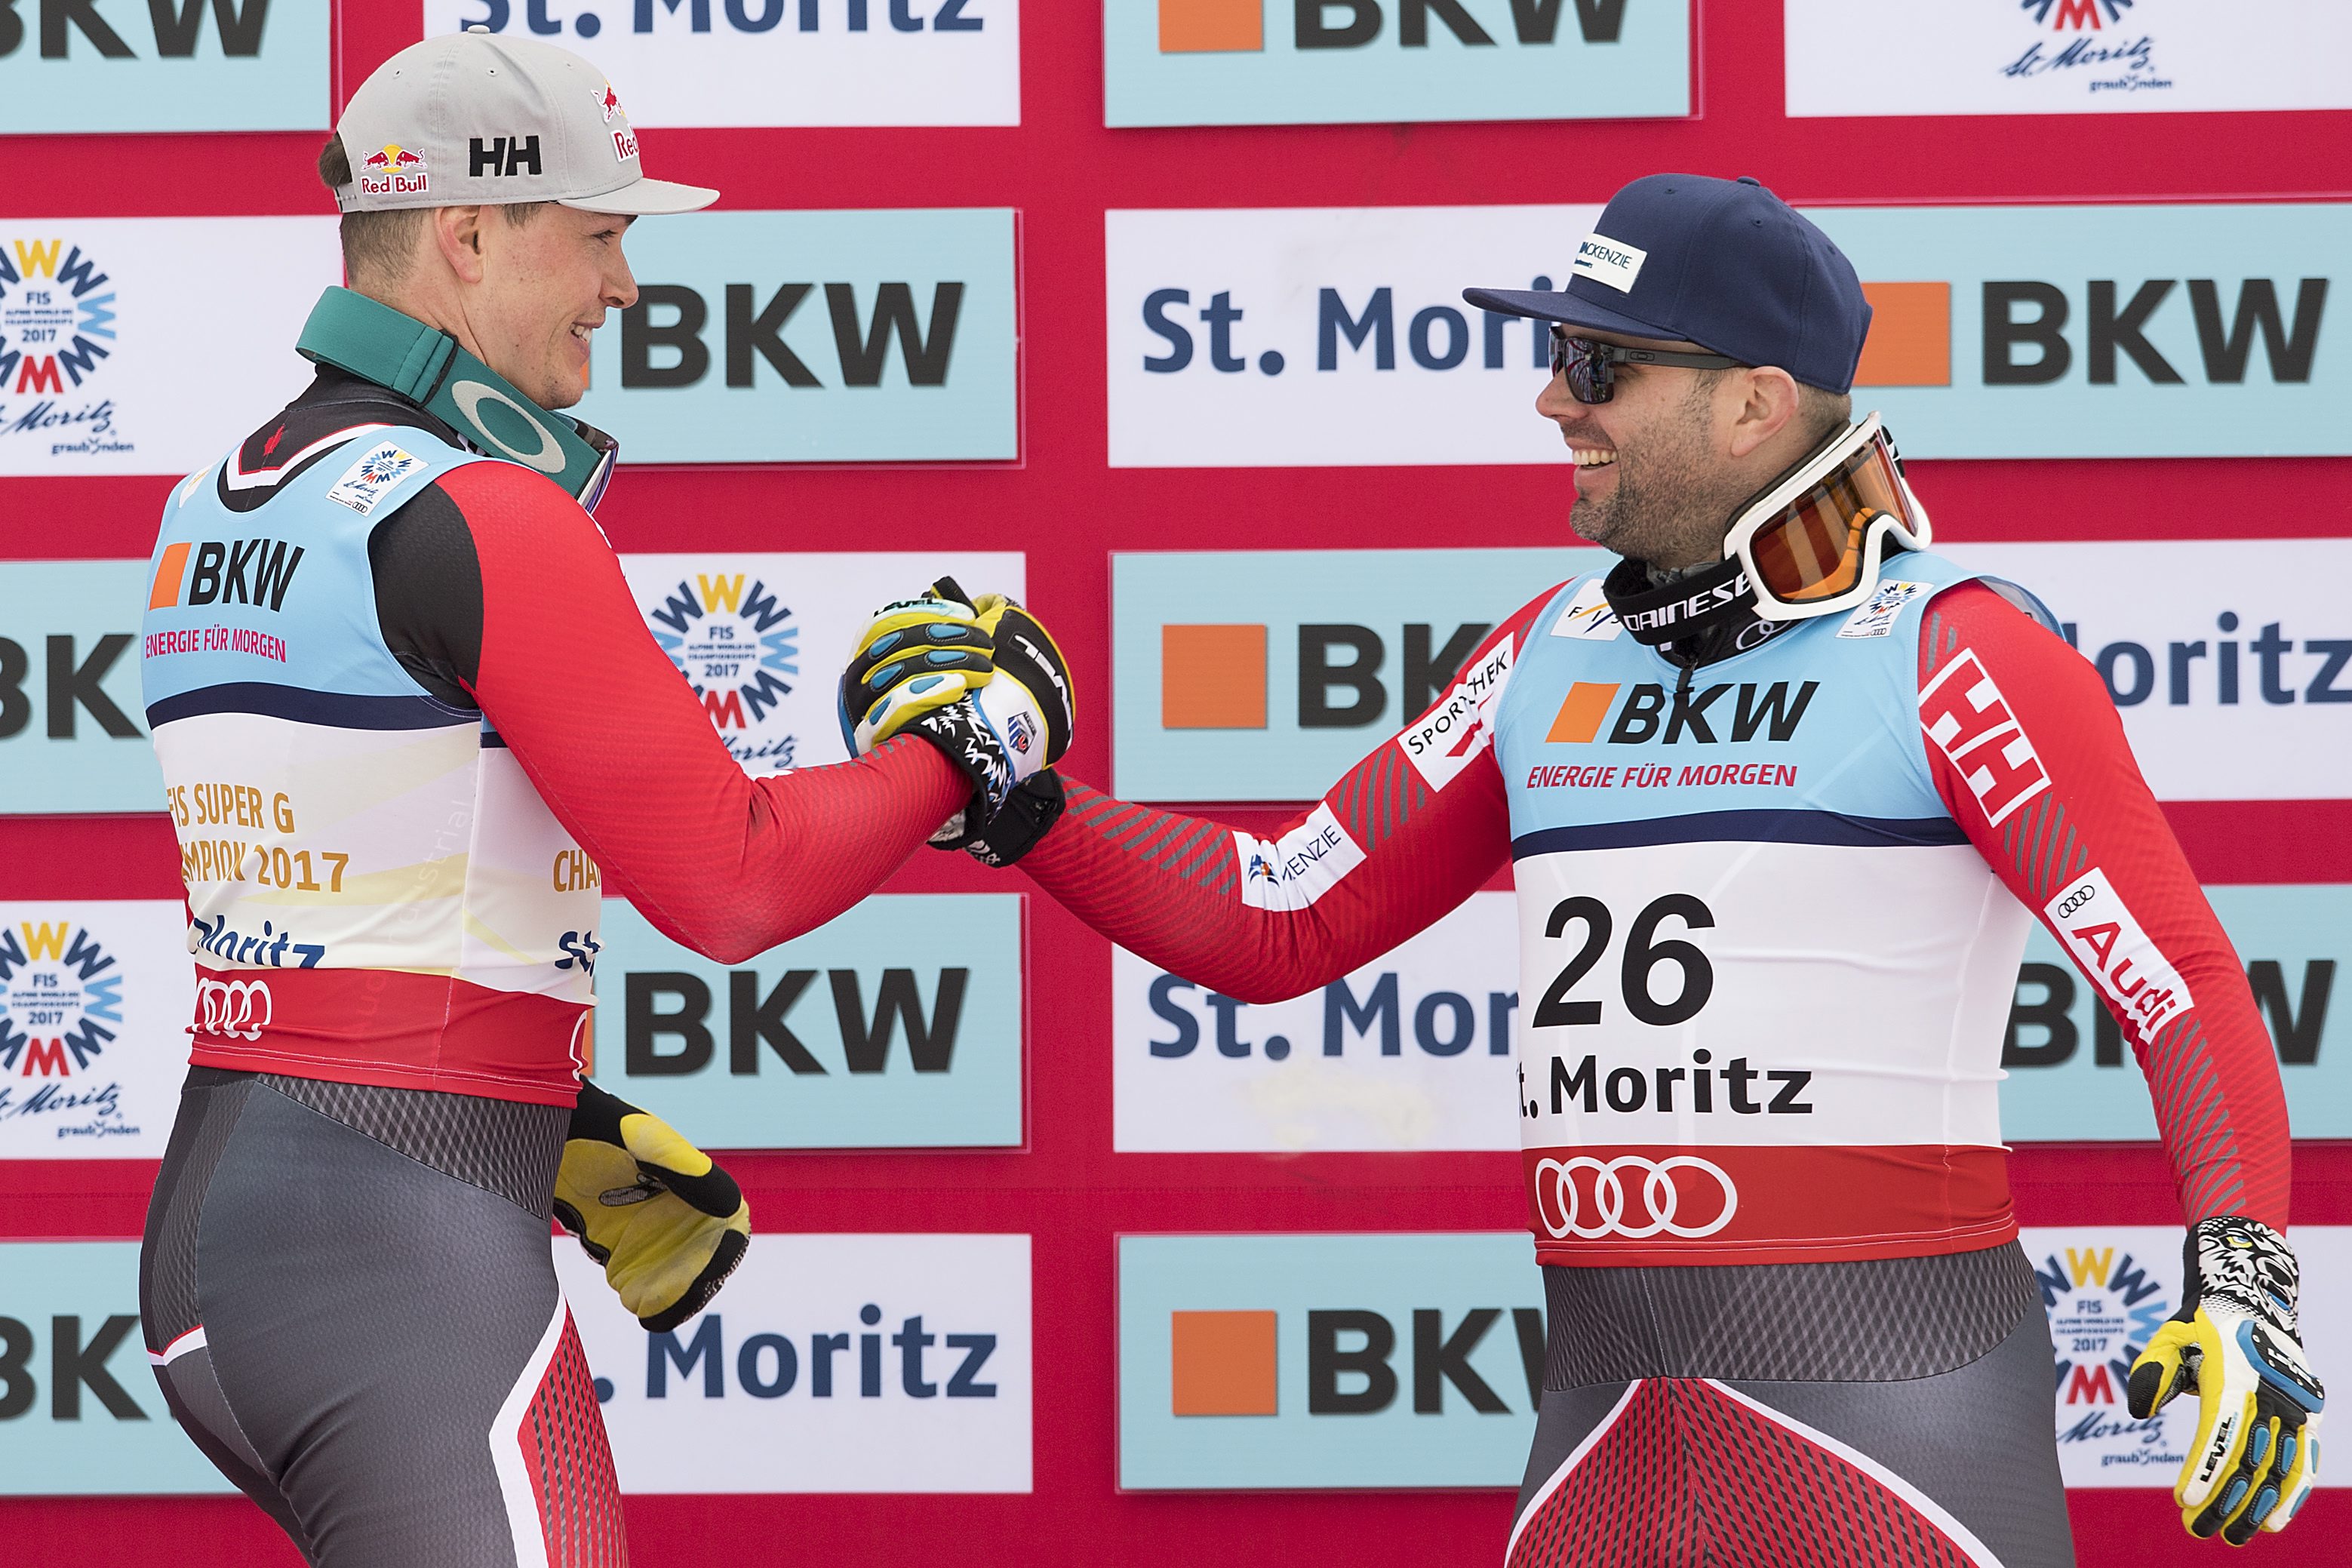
(1813, 549)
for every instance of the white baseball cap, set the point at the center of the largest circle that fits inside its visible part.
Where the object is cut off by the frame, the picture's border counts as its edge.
(474, 117)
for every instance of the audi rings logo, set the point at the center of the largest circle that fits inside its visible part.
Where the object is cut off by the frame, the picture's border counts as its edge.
(233, 1009)
(1570, 1202)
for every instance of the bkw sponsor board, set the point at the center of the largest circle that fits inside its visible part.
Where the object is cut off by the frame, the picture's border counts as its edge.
(126, 65)
(1402, 1054)
(2106, 1289)
(73, 730)
(1290, 62)
(813, 337)
(80, 1415)
(1397, 1360)
(897, 1023)
(2233, 685)
(830, 1363)
(1279, 337)
(95, 1000)
(779, 62)
(150, 345)
(763, 638)
(2068, 57)
(1265, 675)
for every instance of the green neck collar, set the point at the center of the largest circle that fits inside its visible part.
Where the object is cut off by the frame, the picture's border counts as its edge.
(425, 365)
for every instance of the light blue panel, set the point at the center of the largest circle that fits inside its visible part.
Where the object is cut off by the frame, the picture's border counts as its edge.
(86, 769)
(1646, 71)
(277, 82)
(1393, 1275)
(972, 414)
(98, 1453)
(2305, 930)
(973, 1103)
(2070, 246)
(1384, 590)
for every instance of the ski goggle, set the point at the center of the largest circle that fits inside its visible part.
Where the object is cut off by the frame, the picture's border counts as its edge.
(1812, 542)
(1591, 365)
(608, 454)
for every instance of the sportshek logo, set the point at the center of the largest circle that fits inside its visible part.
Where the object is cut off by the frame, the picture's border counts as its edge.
(2103, 1309)
(736, 646)
(60, 1004)
(57, 324)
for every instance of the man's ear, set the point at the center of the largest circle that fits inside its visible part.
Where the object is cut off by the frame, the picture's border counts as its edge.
(458, 234)
(1767, 403)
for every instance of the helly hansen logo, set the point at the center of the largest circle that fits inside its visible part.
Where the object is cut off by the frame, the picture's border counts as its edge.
(1964, 713)
(1649, 712)
(256, 571)
(502, 156)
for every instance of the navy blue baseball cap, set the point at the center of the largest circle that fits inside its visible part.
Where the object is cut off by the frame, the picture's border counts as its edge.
(1724, 264)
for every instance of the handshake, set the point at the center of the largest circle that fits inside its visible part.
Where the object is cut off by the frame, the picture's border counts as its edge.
(981, 680)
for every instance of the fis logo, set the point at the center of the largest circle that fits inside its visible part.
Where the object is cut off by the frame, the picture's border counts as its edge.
(393, 170)
(55, 322)
(59, 993)
(2103, 1308)
(738, 648)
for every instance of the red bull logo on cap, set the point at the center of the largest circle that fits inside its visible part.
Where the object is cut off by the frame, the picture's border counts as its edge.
(609, 101)
(393, 171)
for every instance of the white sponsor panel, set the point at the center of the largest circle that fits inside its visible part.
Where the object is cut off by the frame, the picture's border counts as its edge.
(95, 999)
(1300, 336)
(150, 345)
(2106, 1289)
(2232, 684)
(762, 637)
(2066, 57)
(780, 62)
(1411, 1051)
(1443, 740)
(1610, 261)
(1294, 870)
(829, 1363)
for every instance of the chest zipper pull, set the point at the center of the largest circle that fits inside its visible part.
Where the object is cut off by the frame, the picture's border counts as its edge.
(1683, 683)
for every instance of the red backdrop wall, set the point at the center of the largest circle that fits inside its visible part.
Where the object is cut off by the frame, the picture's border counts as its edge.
(1061, 503)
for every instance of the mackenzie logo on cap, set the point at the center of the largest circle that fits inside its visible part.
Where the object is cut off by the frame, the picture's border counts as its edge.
(1610, 261)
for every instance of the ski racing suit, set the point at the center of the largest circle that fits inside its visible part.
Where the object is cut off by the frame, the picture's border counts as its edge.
(1774, 882)
(412, 729)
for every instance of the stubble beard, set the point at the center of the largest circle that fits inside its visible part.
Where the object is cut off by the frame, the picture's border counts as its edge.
(1669, 506)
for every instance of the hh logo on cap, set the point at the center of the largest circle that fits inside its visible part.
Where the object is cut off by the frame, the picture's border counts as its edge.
(1606, 260)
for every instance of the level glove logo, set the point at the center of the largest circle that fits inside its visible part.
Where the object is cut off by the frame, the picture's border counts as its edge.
(666, 1222)
(2234, 1345)
(915, 654)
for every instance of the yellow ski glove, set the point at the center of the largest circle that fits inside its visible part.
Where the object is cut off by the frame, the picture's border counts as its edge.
(666, 1222)
(2233, 1344)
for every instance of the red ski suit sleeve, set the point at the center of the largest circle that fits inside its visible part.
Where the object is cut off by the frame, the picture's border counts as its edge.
(629, 762)
(1169, 887)
(2032, 764)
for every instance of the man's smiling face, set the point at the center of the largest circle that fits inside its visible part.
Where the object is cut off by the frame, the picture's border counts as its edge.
(548, 283)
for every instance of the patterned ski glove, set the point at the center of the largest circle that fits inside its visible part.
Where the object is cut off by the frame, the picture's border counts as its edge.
(666, 1222)
(2233, 1344)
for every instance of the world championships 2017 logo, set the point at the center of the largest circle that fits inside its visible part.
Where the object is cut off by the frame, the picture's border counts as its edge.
(2096, 50)
(2103, 1308)
(738, 648)
(61, 1006)
(57, 324)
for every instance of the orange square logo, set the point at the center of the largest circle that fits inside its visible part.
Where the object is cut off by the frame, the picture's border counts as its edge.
(164, 591)
(1910, 342)
(1581, 712)
(1206, 26)
(1212, 678)
(1222, 1363)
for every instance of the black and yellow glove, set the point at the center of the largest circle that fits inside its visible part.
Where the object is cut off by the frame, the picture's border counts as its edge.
(2233, 1344)
(666, 1222)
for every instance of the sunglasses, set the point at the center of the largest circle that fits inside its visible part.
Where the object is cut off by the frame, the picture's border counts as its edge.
(1591, 365)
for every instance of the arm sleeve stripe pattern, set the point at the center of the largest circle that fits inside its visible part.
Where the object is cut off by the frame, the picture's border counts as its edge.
(2211, 1070)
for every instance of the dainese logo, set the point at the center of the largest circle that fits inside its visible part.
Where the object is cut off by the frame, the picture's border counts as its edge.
(393, 170)
(58, 999)
(738, 648)
(55, 322)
